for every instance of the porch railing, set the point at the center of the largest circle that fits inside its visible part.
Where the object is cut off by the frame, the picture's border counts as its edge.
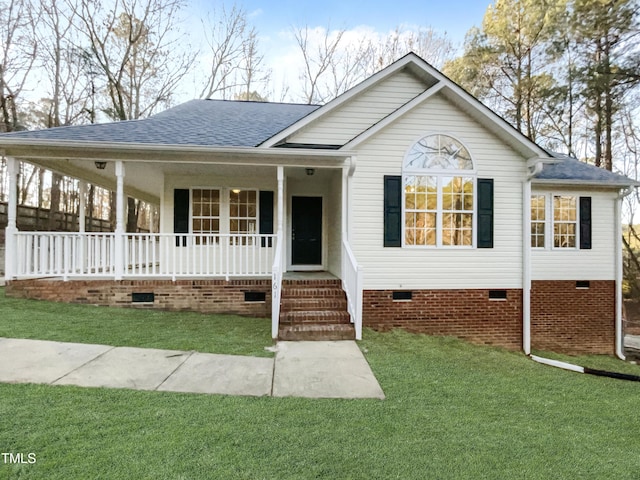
(352, 284)
(43, 254)
(207, 255)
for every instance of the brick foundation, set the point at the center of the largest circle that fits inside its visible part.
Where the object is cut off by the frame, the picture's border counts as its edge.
(467, 314)
(573, 320)
(206, 296)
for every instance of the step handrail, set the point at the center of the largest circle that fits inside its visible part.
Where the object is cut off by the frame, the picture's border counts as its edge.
(352, 284)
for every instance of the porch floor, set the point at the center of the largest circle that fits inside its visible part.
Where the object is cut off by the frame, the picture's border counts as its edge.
(324, 275)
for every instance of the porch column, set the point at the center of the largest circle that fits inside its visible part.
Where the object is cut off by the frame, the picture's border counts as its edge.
(10, 240)
(82, 192)
(120, 230)
(280, 203)
(345, 206)
(278, 264)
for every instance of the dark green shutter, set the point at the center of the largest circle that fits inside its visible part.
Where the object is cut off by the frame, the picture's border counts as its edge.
(585, 223)
(181, 214)
(265, 216)
(485, 213)
(392, 211)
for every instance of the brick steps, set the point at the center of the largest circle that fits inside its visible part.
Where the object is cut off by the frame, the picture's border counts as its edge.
(318, 316)
(314, 310)
(317, 332)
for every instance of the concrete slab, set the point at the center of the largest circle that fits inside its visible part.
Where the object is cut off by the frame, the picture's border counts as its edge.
(39, 361)
(126, 367)
(323, 370)
(632, 341)
(222, 374)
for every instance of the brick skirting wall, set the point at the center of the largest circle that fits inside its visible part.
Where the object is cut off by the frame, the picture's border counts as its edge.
(468, 314)
(573, 320)
(206, 296)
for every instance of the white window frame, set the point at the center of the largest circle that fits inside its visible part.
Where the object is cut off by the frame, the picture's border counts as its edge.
(192, 217)
(545, 222)
(225, 208)
(439, 174)
(575, 222)
(549, 235)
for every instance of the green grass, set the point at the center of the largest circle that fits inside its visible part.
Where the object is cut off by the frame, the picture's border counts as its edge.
(453, 410)
(129, 327)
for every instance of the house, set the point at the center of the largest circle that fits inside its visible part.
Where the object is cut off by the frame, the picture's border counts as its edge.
(403, 203)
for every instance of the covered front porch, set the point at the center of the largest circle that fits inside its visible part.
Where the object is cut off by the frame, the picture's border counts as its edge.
(225, 215)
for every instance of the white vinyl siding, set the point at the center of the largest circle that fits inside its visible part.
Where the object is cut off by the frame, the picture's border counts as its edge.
(445, 268)
(596, 263)
(363, 111)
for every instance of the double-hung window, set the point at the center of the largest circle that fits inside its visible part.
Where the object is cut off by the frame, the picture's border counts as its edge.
(439, 193)
(564, 219)
(205, 204)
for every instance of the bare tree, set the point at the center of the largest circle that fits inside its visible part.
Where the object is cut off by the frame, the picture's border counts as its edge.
(18, 49)
(333, 61)
(435, 48)
(318, 54)
(134, 50)
(69, 92)
(253, 73)
(236, 65)
(224, 34)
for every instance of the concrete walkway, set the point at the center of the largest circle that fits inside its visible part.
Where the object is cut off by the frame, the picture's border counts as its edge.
(299, 369)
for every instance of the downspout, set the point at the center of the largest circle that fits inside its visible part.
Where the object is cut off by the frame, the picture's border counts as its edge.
(619, 271)
(537, 164)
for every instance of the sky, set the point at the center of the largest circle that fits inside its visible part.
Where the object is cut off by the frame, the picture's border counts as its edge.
(275, 19)
(453, 16)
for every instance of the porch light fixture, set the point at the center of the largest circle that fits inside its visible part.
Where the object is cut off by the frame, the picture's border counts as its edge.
(236, 190)
(101, 165)
(310, 171)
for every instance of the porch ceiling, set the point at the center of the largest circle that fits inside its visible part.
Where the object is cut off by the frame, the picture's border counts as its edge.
(146, 165)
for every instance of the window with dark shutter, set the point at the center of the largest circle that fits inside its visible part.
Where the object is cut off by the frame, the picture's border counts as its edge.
(392, 211)
(485, 213)
(181, 214)
(585, 223)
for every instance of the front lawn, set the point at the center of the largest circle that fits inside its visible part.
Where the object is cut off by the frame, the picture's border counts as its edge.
(128, 327)
(453, 410)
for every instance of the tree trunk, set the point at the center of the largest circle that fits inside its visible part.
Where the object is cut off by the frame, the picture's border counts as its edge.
(54, 208)
(132, 214)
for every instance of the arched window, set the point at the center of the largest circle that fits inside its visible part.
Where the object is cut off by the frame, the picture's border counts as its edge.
(439, 184)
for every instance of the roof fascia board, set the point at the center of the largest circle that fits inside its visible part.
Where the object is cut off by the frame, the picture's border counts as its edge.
(583, 183)
(407, 107)
(341, 99)
(40, 149)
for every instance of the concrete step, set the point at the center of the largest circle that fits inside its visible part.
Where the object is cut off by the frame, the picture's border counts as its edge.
(316, 304)
(310, 316)
(317, 332)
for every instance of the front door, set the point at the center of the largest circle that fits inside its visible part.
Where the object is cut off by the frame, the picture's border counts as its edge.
(306, 230)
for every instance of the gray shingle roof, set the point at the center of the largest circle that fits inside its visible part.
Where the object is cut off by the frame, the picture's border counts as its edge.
(197, 122)
(572, 170)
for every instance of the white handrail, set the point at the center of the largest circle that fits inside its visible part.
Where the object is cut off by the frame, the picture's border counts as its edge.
(276, 289)
(352, 284)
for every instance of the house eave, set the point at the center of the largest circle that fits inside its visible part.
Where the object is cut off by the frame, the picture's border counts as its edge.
(55, 149)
